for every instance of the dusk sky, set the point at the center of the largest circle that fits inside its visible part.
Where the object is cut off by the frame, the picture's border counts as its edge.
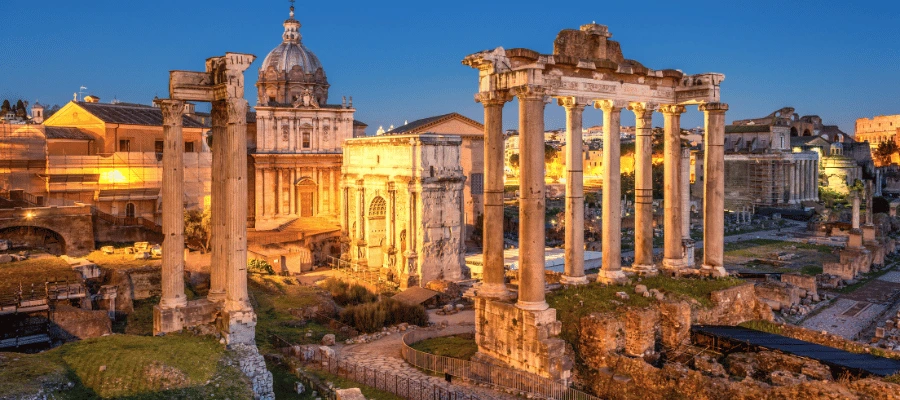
(401, 60)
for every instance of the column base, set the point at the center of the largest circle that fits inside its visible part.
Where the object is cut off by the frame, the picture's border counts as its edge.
(532, 305)
(688, 253)
(168, 303)
(216, 297)
(239, 327)
(672, 264)
(495, 291)
(573, 280)
(167, 320)
(643, 269)
(616, 277)
(714, 271)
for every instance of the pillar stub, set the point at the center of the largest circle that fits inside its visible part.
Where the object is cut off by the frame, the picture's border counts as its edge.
(715, 271)
(644, 269)
(573, 280)
(615, 277)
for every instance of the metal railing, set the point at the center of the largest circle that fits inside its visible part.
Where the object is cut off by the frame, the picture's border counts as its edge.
(364, 274)
(127, 221)
(496, 376)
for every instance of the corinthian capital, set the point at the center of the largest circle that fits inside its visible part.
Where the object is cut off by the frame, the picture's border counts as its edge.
(714, 107)
(671, 109)
(642, 110)
(573, 102)
(530, 92)
(237, 111)
(493, 97)
(172, 111)
(610, 105)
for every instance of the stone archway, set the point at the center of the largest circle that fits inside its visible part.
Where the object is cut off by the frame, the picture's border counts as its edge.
(34, 237)
(306, 197)
(376, 228)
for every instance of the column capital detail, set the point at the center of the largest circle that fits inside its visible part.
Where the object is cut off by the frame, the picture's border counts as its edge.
(493, 98)
(237, 111)
(671, 109)
(713, 107)
(573, 102)
(172, 111)
(530, 92)
(610, 105)
(643, 109)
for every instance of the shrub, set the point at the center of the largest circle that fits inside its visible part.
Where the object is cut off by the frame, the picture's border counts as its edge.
(260, 267)
(371, 317)
(346, 294)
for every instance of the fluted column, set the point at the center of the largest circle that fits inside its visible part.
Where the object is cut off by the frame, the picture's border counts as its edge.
(714, 189)
(172, 205)
(795, 181)
(531, 201)
(279, 192)
(854, 197)
(611, 269)
(494, 274)
(673, 251)
(218, 209)
(235, 219)
(643, 187)
(686, 240)
(574, 256)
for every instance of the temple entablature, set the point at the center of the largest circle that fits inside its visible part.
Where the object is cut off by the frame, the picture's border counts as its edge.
(585, 63)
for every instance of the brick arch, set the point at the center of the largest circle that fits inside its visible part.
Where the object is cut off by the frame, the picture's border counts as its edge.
(35, 237)
(73, 226)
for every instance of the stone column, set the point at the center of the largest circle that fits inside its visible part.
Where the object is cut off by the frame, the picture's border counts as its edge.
(574, 267)
(673, 252)
(410, 276)
(279, 193)
(219, 115)
(714, 189)
(361, 257)
(494, 273)
(795, 183)
(258, 193)
(531, 201)
(235, 219)
(611, 271)
(292, 185)
(643, 188)
(172, 206)
(816, 180)
(686, 240)
(854, 196)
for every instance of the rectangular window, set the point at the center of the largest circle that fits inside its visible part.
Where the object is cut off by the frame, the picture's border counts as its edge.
(306, 141)
(188, 147)
(477, 184)
(124, 145)
(158, 146)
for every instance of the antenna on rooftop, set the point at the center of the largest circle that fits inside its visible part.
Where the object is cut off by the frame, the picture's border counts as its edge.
(81, 92)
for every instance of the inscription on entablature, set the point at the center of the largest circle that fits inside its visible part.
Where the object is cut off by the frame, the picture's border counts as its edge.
(599, 87)
(694, 93)
(636, 89)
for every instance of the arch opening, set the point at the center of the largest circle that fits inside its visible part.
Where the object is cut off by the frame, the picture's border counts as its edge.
(34, 237)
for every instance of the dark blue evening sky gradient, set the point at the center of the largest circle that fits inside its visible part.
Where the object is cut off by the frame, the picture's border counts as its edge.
(401, 60)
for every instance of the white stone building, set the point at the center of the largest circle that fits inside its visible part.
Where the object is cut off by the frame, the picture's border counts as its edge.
(403, 210)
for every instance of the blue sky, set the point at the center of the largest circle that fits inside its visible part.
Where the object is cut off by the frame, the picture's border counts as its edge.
(400, 60)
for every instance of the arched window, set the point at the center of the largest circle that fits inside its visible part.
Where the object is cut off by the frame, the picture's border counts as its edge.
(378, 208)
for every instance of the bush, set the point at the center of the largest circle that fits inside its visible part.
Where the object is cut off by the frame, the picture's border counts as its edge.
(260, 267)
(346, 294)
(371, 317)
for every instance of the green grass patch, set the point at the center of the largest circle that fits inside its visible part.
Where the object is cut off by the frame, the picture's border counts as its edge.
(124, 366)
(696, 289)
(895, 378)
(274, 298)
(121, 261)
(759, 247)
(764, 326)
(811, 270)
(36, 270)
(462, 346)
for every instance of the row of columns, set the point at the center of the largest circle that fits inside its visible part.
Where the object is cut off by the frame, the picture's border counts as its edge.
(228, 220)
(272, 182)
(803, 183)
(531, 200)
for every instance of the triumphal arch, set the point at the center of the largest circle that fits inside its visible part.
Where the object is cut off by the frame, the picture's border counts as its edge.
(585, 68)
(228, 303)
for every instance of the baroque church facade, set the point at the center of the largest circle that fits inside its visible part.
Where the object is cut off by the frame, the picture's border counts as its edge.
(295, 158)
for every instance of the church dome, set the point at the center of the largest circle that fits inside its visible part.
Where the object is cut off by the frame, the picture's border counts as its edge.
(291, 71)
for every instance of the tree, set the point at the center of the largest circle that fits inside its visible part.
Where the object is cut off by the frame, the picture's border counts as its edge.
(550, 152)
(885, 151)
(5, 107)
(21, 110)
(197, 228)
(514, 161)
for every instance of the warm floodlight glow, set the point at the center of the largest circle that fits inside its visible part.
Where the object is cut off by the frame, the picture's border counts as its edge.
(29, 215)
(114, 176)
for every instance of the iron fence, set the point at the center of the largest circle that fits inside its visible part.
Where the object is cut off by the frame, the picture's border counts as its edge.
(482, 373)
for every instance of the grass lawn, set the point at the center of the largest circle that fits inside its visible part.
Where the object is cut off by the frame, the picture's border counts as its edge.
(125, 366)
(274, 297)
(120, 261)
(458, 346)
(35, 270)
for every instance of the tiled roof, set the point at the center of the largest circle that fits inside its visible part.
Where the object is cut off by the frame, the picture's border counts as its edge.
(747, 128)
(55, 132)
(132, 114)
(359, 123)
(419, 126)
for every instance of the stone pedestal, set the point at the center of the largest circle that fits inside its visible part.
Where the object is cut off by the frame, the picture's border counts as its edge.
(522, 339)
(238, 327)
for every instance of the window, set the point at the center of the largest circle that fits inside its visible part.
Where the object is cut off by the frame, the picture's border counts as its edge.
(188, 147)
(158, 146)
(129, 210)
(124, 145)
(477, 184)
(306, 141)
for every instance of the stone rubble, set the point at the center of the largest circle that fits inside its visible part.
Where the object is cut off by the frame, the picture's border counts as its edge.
(253, 365)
